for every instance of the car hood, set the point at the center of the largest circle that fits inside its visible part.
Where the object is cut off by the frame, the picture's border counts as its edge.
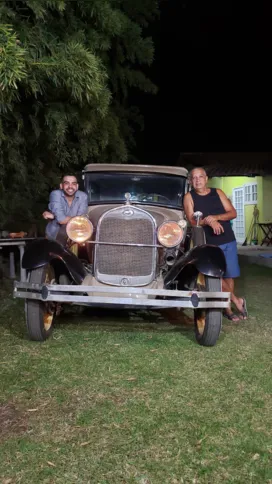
(160, 214)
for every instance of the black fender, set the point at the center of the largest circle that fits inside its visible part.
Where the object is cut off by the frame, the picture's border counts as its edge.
(42, 251)
(208, 259)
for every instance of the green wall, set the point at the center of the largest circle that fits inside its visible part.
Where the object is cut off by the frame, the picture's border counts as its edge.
(267, 200)
(216, 182)
(264, 188)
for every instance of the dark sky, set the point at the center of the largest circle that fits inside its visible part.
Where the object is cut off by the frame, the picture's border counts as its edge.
(212, 68)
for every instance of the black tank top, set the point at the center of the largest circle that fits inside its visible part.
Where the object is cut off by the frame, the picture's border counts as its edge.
(211, 205)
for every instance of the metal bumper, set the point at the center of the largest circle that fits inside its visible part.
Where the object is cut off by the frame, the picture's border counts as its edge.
(153, 298)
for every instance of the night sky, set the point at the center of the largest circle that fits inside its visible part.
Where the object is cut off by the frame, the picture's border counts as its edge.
(212, 68)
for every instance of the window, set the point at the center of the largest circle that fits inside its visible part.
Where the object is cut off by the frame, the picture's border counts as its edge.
(144, 188)
(250, 193)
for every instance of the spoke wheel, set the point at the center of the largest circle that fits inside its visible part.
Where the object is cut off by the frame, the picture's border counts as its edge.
(40, 315)
(208, 322)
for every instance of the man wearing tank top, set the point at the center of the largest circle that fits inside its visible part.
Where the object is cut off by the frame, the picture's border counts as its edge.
(217, 212)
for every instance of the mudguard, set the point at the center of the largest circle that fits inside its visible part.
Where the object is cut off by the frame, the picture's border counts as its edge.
(42, 251)
(208, 259)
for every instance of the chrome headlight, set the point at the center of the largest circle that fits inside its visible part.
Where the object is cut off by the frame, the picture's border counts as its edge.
(170, 234)
(79, 229)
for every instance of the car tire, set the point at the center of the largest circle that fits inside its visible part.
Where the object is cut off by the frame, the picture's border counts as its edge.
(40, 315)
(208, 322)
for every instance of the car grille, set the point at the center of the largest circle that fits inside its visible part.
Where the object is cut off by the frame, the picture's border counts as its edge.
(125, 265)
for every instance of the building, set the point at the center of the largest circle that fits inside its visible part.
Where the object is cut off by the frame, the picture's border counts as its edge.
(246, 178)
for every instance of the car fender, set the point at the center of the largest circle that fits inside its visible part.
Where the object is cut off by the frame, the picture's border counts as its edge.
(208, 259)
(42, 251)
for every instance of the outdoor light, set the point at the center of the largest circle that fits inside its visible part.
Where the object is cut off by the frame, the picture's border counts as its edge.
(79, 229)
(170, 234)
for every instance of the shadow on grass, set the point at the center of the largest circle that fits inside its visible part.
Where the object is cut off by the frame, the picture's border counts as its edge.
(12, 319)
(124, 320)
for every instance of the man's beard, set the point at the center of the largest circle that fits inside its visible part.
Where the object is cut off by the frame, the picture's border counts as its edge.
(69, 194)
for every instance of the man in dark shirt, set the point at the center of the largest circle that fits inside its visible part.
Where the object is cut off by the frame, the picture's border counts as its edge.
(217, 212)
(64, 204)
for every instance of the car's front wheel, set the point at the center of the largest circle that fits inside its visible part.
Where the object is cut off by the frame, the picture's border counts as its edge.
(40, 315)
(208, 322)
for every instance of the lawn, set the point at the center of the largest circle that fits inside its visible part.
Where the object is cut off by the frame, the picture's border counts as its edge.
(129, 398)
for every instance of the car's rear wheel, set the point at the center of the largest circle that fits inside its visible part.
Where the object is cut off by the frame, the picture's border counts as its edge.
(40, 315)
(208, 322)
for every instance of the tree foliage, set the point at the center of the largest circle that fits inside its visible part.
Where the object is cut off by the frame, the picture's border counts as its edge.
(67, 70)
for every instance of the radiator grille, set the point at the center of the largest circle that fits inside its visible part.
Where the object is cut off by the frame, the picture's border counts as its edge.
(114, 263)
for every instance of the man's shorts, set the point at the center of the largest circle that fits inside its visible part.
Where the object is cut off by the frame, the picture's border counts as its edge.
(231, 256)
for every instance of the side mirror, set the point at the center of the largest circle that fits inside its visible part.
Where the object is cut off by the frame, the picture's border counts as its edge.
(198, 216)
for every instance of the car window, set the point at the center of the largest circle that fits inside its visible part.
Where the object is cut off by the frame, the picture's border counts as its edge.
(157, 189)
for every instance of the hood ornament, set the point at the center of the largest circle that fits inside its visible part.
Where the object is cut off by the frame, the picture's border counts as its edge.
(198, 216)
(128, 198)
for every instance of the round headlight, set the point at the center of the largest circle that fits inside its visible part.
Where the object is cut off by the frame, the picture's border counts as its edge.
(79, 229)
(170, 234)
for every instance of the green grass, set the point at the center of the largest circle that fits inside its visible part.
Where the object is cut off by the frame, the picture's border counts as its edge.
(126, 398)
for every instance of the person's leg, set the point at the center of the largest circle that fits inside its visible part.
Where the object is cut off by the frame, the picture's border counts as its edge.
(228, 286)
(61, 236)
(232, 271)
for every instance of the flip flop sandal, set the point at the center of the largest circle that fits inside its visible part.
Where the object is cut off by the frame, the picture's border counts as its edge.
(244, 312)
(231, 316)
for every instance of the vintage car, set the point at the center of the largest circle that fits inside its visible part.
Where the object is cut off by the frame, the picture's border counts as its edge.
(133, 249)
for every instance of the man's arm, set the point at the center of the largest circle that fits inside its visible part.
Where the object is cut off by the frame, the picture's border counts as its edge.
(65, 221)
(188, 205)
(230, 210)
(56, 207)
(83, 204)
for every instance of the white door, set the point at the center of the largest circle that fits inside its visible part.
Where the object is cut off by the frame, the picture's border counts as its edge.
(239, 222)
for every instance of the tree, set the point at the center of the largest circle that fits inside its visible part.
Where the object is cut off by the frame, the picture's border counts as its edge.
(66, 73)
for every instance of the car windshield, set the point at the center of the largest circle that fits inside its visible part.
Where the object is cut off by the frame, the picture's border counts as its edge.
(151, 189)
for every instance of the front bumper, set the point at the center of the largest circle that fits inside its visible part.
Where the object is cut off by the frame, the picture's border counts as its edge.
(136, 297)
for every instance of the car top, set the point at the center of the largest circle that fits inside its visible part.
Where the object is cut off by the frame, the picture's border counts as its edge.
(166, 170)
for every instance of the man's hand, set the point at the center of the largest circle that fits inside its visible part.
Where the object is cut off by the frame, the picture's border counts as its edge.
(214, 224)
(210, 219)
(217, 228)
(48, 215)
